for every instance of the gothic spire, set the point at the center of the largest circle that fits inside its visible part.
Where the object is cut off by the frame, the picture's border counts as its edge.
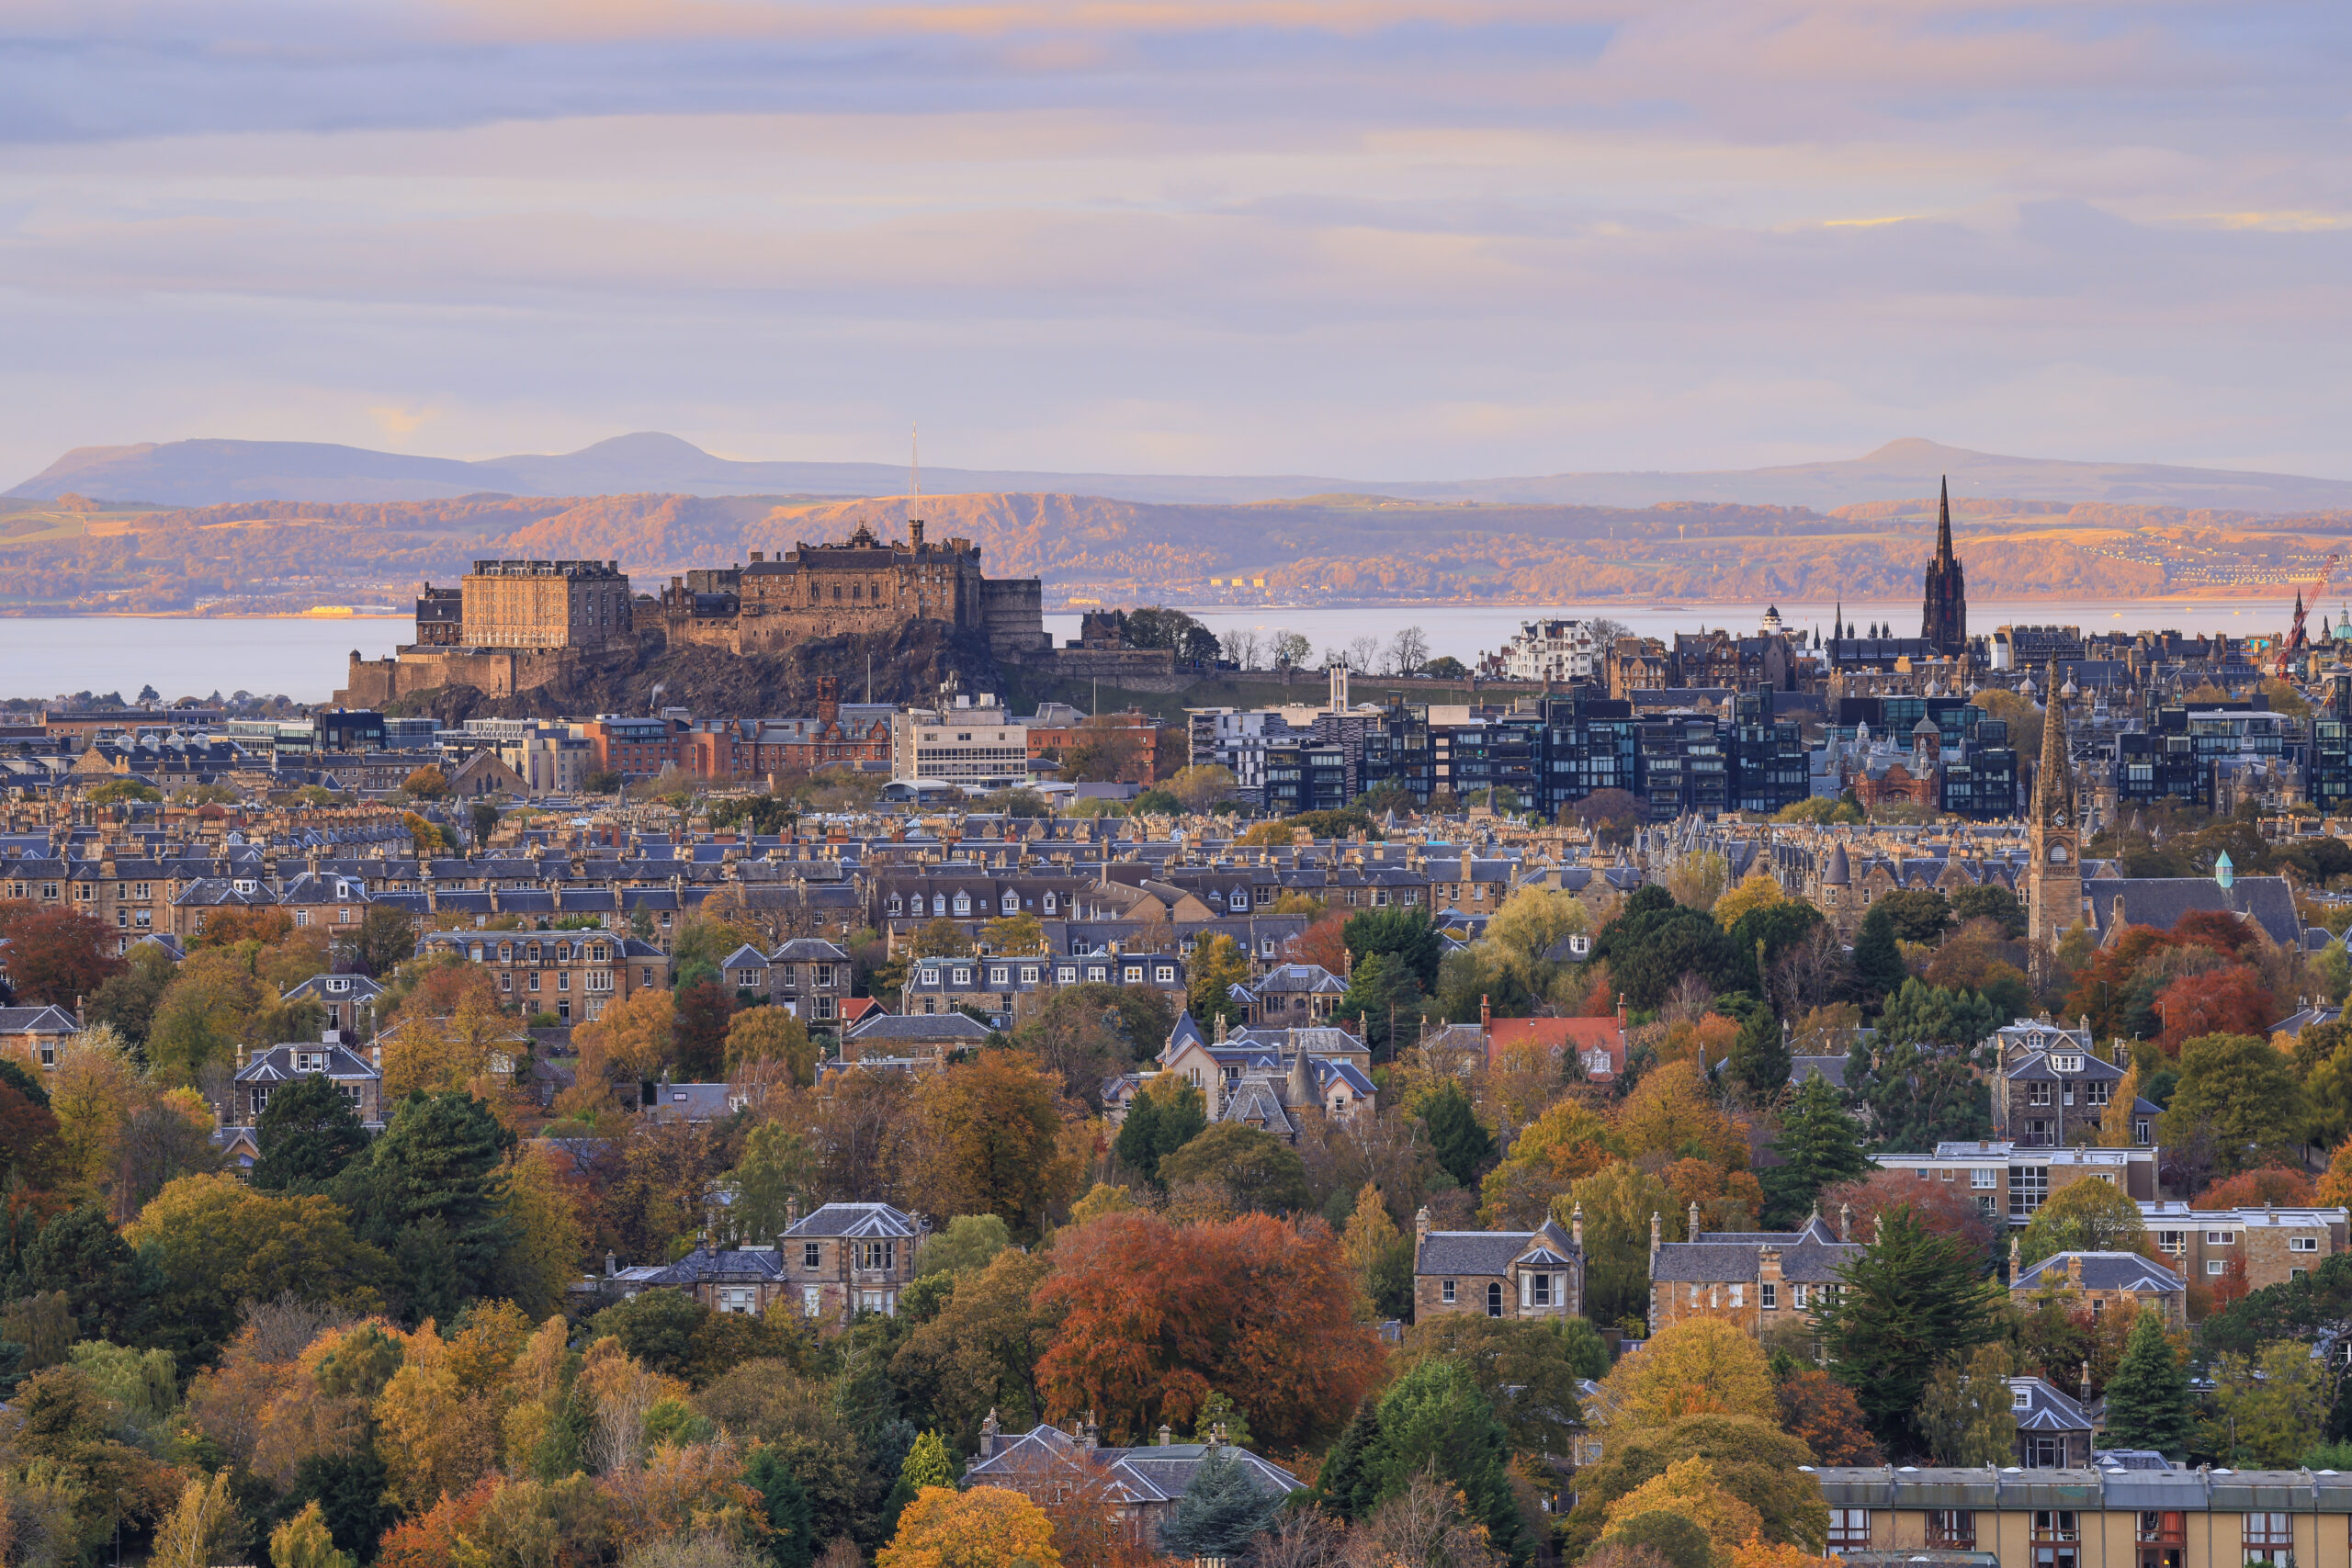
(1943, 522)
(2054, 783)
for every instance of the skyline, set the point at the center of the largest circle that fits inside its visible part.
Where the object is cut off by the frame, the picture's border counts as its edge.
(1393, 239)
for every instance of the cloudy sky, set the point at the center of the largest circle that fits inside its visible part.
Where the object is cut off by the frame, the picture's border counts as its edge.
(1372, 238)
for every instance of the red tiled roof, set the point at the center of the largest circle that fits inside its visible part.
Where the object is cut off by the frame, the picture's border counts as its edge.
(1579, 1034)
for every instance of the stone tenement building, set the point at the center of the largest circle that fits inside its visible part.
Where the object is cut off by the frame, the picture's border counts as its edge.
(865, 584)
(509, 625)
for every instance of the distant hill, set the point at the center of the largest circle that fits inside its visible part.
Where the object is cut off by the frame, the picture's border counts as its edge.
(206, 473)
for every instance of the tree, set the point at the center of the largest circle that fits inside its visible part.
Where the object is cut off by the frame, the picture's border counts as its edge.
(1164, 1116)
(1819, 1145)
(776, 1171)
(1527, 1370)
(55, 956)
(1688, 1491)
(432, 1194)
(1823, 1414)
(103, 1285)
(2268, 1408)
(770, 1035)
(427, 782)
(1203, 785)
(204, 1527)
(2148, 1399)
(386, 938)
(1219, 965)
(1990, 900)
(1752, 1460)
(2238, 1093)
(1935, 1204)
(988, 1526)
(1611, 815)
(1155, 1315)
(1652, 942)
(1691, 1367)
(786, 1505)
(968, 1244)
(1221, 1509)
(1910, 1297)
(308, 1132)
(1759, 889)
(1381, 991)
(1618, 1201)
(991, 1131)
(1435, 1419)
(1462, 1147)
(1878, 962)
(2084, 1217)
(1380, 1255)
(304, 1541)
(1022, 933)
(1533, 921)
(1570, 1141)
(2217, 1001)
(1408, 936)
(127, 1000)
(926, 1466)
(1965, 1413)
(1256, 1169)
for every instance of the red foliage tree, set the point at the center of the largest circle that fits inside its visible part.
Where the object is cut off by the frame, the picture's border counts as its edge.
(1154, 1316)
(2220, 1001)
(226, 928)
(430, 1539)
(32, 1161)
(1945, 1208)
(2225, 934)
(2251, 1189)
(704, 1011)
(55, 955)
(1823, 1414)
(2101, 986)
(1321, 944)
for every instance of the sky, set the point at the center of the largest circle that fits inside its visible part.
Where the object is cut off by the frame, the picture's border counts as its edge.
(1404, 239)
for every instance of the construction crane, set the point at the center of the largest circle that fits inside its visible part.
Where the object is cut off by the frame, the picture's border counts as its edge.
(2295, 635)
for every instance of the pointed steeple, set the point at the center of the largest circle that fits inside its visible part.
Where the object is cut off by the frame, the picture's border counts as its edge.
(2053, 784)
(1943, 522)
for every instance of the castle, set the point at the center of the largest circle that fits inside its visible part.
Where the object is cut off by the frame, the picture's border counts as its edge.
(865, 584)
(511, 625)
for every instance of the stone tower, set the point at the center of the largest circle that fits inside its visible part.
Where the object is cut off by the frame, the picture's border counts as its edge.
(1944, 618)
(2055, 881)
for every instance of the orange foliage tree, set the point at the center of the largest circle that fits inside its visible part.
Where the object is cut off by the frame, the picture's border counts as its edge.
(988, 1526)
(1154, 1316)
(1321, 944)
(430, 1539)
(991, 1137)
(1944, 1208)
(2220, 1001)
(1823, 1414)
(2276, 1184)
(1699, 1366)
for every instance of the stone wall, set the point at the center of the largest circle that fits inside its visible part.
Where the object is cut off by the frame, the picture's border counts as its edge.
(497, 673)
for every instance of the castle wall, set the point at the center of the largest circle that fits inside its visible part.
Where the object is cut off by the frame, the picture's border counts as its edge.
(1013, 612)
(497, 673)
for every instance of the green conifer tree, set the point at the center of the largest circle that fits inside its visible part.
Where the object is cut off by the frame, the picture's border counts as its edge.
(2147, 1400)
(1222, 1507)
(1461, 1146)
(767, 1472)
(1348, 1484)
(1819, 1145)
(1878, 962)
(1911, 1298)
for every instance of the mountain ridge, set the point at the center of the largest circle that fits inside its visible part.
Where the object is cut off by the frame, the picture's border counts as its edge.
(206, 472)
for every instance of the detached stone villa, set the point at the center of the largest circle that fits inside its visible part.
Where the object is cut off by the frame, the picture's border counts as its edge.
(1531, 1274)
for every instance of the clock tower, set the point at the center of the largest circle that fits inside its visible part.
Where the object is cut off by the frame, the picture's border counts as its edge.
(2055, 881)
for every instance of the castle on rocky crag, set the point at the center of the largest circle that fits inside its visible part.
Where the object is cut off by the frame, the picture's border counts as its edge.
(511, 625)
(865, 584)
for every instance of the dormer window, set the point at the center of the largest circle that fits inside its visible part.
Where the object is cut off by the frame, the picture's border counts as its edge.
(1051, 903)
(2021, 1399)
(963, 904)
(2066, 1064)
(1011, 902)
(310, 1061)
(894, 903)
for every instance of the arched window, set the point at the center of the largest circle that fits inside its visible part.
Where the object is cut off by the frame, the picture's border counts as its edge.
(1494, 1301)
(2057, 854)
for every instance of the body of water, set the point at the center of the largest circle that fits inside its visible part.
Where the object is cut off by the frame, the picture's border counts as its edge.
(305, 658)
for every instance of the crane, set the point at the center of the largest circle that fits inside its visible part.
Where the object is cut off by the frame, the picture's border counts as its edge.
(2295, 636)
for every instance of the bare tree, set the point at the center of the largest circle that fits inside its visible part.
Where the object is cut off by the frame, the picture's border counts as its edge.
(1409, 652)
(1363, 653)
(1291, 647)
(1243, 646)
(1810, 972)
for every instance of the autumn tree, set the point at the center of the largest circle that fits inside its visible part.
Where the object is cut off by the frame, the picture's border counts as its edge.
(991, 1131)
(772, 1036)
(2218, 1002)
(988, 1526)
(1823, 1414)
(1568, 1142)
(2238, 1098)
(1618, 1202)
(427, 782)
(1966, 1415)
(55, 956)
(1155, 1315)
(1380, 1256)
(1694, 1367)
(1218, 964)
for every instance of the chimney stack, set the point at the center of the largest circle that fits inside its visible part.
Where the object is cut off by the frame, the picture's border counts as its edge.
(1576, 1225)
(1658, 1239)
(1690, 1226)
(1421, 1225)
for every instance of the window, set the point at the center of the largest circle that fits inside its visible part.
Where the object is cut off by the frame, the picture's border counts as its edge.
(1539, 1292)
(1983, 1180)
(1797, 1297)
(877, 1254)
(812, 1255)
(2270, 1538)
(1494, 1301)
(2219, 1239)
(2021, 1399)
(2158, 1527)
(812, 1301)
(2028, 1185)
(2094, 1093)
(1768, 1296)
(2037, 1093)
(2066, 1064)
(2302, 1243)
(2056, 1524)
(1445, 1291)
(1954, 1530)
(1849, 1527)
(2215, 1266)
(1739, 1295)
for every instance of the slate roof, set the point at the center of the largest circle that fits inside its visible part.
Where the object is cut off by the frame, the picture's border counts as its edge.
(854, 1220)
(2161, 901)
(1310, 979)
(276, 1065)
(2295, 1022)
(353, 988)
(1831, 1068)
(1488, 1252)
(1144, 1474)
(2046, 1409)
(43, 1019)
(1809, 1254)
(704, 1265)
(923, 1027)
(1256, 1102)
(2100, 1271)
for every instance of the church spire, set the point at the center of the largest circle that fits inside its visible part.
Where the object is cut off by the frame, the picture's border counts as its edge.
(1943, 522)
(2053, 784)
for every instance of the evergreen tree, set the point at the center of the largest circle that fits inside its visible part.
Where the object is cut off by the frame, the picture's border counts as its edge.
(1435, 1414)
(1910, 1298)
(2147, 1398)
(308, 1132)
(1759, 1057)
(1136, 1147)
(1347, 1484)
(1408, 936)
(1158, 1122)
(1382, 990)
(1819, 1146)
(1461, 1146)
(1222, 1507)
(1878, 962)
(107, 1285)
(350, 1492)
(927, 1464)
(789, 1525)
(432, 1191)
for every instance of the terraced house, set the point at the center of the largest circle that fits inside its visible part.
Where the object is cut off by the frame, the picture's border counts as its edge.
(573, 974)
